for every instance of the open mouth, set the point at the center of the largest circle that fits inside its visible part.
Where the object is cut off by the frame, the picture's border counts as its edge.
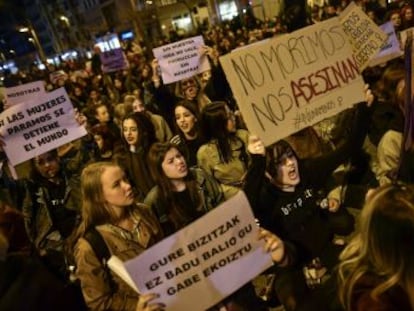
(182, 169)
(292, 173)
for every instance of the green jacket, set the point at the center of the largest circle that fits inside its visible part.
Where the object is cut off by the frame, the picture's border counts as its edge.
(230, 175)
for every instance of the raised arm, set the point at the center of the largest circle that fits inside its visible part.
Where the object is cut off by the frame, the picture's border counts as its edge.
(255, 175)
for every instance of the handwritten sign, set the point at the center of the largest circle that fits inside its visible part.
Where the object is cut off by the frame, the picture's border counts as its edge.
(294, 81)
(33, 128)
(204, 262)
(21, 93)
(391, 50)
(113, 60)
(180, 60)
(365, 36)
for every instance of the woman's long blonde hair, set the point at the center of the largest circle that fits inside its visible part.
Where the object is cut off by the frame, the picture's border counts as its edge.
(384, 245)
(94, 209)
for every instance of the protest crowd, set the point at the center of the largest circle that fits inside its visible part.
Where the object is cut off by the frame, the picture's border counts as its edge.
(334, 201)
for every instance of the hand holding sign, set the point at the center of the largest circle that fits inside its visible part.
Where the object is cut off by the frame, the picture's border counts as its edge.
(155, 72)
(145, 304)
(275, 246)
(80, 117)
(255, 145)
(155, 68)
(210, 52)
(6, 104)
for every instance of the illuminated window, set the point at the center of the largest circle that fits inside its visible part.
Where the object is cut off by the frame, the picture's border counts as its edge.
(108, 42)
(228, 10)
(182, 22)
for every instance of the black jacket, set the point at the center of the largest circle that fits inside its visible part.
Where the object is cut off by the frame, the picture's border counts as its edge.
(296, 216)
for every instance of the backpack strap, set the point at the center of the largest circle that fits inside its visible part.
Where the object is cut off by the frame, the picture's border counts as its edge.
(101, 251)
(98, 244)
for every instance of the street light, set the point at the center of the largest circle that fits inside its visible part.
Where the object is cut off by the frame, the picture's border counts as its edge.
(64, 19)
(36, 41)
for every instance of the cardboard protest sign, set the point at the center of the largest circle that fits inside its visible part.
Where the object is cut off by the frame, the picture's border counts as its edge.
(365, 36)
(294, 81)
(180, 60)
(392, 48)
(33, 128)
(22, 93)
(204, 262)
(113, 60)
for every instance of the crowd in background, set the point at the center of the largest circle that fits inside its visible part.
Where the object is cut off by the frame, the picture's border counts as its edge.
(157, 157)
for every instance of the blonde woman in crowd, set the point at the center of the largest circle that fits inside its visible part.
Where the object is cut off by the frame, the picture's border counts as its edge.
(377, 267)
(127, 229)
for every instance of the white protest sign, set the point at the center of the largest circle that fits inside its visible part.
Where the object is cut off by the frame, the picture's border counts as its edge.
(391, 50)
(204, 262)
(365, 36)
(33, 128)
(294, 81)
(22, 93)
(180, 60)
(113, 60)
